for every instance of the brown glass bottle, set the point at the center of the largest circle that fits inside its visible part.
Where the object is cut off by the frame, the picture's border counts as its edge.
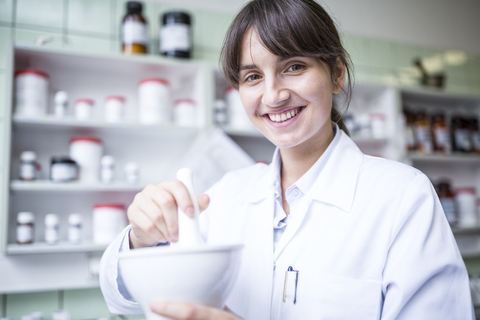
(134, 30)
(441, 134)
(409, 132)
(422, 133)
(447, 199)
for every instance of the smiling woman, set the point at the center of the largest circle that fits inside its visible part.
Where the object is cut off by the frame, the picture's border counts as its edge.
(329, 233)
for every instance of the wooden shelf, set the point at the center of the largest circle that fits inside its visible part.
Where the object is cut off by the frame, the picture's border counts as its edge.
(62, 247)
(47, 185)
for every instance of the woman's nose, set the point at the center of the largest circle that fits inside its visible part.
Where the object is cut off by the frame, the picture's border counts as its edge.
(275, 95)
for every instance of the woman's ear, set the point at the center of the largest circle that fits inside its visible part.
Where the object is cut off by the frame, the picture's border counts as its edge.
(339, 76)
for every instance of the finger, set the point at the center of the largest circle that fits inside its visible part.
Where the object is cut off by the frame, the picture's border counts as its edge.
(203, 201)
(144, 233)
(169, 218)
(181, 195)
(153, 211)
(187, 311)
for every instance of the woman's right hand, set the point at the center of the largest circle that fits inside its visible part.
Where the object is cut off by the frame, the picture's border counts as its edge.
(153, 213)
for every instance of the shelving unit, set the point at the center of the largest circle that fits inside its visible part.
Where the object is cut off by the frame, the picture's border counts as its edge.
(49, 186)
(62, 247)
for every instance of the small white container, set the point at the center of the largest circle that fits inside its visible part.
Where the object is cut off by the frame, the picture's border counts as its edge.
(108, 220)
(61, 105)
(87, 152)
(75, 228)
(185, 113)
(114, 109)
(467, 207)
(25, 225)
(84, 109)
(238, 118)
(31, 93)
(220, 109)
(132, 173)
(28, 166)
(51, 228)
(154, 101)
(107, 169)
(377, 125)
(63, 169)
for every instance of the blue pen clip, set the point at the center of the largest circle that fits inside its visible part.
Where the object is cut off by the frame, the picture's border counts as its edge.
(290, 269)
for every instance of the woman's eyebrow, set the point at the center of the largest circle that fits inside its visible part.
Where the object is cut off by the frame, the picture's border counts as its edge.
(247, 67)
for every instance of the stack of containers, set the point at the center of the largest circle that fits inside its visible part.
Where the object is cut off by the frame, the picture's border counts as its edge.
(31, 93)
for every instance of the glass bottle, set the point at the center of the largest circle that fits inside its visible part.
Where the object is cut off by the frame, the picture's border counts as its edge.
(25, 224)
(441, 134)
(409, 132)
(176, 34)
(474, 134)
(423, 137)
(460, 135)
(134, 30)
(447, 199)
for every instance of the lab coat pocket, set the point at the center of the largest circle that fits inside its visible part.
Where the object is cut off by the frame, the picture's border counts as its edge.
(332, 297)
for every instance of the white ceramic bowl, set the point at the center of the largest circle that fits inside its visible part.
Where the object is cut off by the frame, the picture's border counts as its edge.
(204, 274)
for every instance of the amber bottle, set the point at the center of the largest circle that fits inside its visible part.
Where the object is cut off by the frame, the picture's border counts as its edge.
(134, 30)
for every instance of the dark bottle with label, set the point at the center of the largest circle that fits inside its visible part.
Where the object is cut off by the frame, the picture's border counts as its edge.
(134, 30)
(474, 134)
(176, 35)
(460, 135)
(441, 134)
(422, 131)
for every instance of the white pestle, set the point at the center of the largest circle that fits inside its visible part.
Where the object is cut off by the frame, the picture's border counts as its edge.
(188, 227)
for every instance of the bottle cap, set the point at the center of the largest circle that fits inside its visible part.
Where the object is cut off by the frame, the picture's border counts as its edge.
(51, 219)
(176, 17)
(28, 156)
(25, 217)
(134, 7)
(61, 97)
(107, 161)
(75, 218)
(62, 159)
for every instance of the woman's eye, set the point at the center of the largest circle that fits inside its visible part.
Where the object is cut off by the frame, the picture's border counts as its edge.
(253, 77)
(295, 67)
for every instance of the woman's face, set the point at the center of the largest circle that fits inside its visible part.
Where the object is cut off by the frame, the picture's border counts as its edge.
(288, 100)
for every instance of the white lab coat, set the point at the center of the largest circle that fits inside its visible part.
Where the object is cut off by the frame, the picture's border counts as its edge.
(370, 241)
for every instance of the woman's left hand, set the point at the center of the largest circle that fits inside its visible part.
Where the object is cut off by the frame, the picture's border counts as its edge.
(189, 311)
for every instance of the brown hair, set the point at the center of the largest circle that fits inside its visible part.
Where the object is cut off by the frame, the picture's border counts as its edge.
(288, 28)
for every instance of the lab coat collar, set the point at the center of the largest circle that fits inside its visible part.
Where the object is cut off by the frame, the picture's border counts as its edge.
(337, 182)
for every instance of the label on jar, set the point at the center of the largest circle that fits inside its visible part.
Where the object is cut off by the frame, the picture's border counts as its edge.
(462, 141)
(134, 32)
(24, 233)
(424, 139)
(175, 37)
(442, 139)
(27, 171)
(63, 172)
(448, 205)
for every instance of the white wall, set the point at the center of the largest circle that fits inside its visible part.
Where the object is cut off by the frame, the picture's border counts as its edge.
(445, 24)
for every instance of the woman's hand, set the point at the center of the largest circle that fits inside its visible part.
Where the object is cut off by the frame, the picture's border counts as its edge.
(153, 213)
(188, 311)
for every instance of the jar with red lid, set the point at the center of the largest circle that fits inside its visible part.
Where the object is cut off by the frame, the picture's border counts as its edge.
(184, 113)
(31, 93)
(154, 101)
(114, 109)
(83, 109)
(109, 219)
(466, 203)
(87, 152)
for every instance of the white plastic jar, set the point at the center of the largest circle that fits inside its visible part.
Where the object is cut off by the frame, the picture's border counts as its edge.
(75, 228)
(31, 93)
(466, 206)
(51, 228)
(377, 125)
(154, 101)
(238, 118)
(107, 169)
(84, 109)
(108, 220)
(87, 152)
(114, 109)
(185, 113)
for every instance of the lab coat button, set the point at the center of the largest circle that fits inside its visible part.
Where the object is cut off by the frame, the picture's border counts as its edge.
(295, 192)
(274, 265)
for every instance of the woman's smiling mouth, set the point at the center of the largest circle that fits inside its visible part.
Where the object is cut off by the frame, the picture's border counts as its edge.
(284, 116)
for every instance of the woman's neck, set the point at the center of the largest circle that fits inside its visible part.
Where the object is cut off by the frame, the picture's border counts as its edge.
(298, 160)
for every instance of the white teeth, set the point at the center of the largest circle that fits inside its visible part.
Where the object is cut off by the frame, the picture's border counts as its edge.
(284, 116)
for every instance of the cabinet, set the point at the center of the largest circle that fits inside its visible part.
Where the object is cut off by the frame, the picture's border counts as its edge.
(155, 148)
